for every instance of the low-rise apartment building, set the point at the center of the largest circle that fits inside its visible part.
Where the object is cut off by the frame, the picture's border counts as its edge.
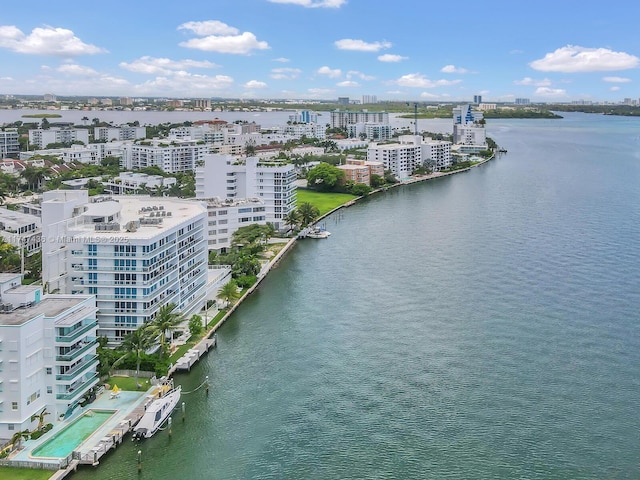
(48, 357)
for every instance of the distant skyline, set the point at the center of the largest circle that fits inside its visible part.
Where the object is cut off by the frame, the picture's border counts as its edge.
(546, 51)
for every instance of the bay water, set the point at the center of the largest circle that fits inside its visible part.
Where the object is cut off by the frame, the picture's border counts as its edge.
(479, 326)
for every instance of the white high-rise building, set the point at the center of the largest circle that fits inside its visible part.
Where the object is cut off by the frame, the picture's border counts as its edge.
(226, 216)
(134, 254)
(125, 132)
(342, 118)
(170, 155)
(270, 181)
(412, 152)
(9, 144)
(468, 128)
(47, 353)
(42, 138)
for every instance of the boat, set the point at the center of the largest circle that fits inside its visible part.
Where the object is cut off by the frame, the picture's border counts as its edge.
(157, 409)
(318, 233)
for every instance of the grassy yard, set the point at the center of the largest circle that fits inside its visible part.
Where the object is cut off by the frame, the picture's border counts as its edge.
(25, 473)
(126, 383)
(324, 201)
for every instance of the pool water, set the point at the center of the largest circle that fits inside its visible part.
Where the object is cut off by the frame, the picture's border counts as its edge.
(65, 441)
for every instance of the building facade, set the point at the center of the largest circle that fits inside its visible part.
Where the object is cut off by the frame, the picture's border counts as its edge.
(342, 118)
(171, 157)
(9, 143)
(226, 216)
(41, 138)
(134, 253)
(48, 359)
(122, 133)
(270, 181)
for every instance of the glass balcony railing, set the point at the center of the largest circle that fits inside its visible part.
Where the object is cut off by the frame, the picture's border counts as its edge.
(75, 334)
(76, 352)
(76, 393)
(78, 370)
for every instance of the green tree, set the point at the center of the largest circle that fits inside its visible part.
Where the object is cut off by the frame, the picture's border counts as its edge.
(16, 439)
(360, 189)
(9, 257)
(250, 148)
(376, 181)
(166, 320)
(195, 325)
(229, 292)
(325, 177)
(136, 344)
(34, 176)
(308, 213)
(292, 219)
(40, 417)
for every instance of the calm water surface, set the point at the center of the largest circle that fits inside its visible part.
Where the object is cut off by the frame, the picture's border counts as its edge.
(480, 326)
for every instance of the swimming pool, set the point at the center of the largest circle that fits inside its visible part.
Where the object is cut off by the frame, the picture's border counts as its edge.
(66, 440)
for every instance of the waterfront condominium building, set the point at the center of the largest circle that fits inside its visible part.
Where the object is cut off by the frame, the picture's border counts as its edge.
(134, 253)
(9, 144)
(401, 158)
(271, 181)
(226, 216)
(436, 154)
(468, 128)
(41, 138)
(172, 157)
(48, 358)
(342, 118)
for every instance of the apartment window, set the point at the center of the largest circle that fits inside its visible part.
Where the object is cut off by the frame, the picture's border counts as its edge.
(48, 370)
(222, 212)
(244, 210)
(14, 405)
(11, 426)
(223, 222)
(49, 389)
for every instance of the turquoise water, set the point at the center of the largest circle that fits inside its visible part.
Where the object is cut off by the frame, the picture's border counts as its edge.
(481, 326)
(66, 441)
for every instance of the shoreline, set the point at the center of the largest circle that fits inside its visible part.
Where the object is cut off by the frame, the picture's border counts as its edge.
(292, 241)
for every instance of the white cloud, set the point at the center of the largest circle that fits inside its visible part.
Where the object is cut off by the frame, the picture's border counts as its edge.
(545, 82)
(550, 92)
(209, 27)
(254, 84)
(163, 66)
(220, 37)
(285, 73)
(319, 92)
(7, 79)
(360, 75)
(58, 42)
(314, 3)
(348, 83)
(572, 59)
(429, 95)
(186, 83)
(615, 88)
(390, 58)
(360, 45)
(417, 80)
(281, 60)
(75, 69)
(616, 79)
(329, 72)
(453, 69)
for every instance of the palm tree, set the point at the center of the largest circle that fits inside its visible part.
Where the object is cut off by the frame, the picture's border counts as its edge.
(17, 438)
(292, 219)
(308, 213)
(34, 176)
(40, 417)
(136, 343)
(167, 319)
(229, 291)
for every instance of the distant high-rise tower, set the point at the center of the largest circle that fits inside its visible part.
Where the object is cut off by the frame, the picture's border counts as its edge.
(369, 99)
(343, 100)
(477, 99)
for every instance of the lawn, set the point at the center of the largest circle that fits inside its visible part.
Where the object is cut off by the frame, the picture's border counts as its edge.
(324, 201)
(126, 383)
(25, 473)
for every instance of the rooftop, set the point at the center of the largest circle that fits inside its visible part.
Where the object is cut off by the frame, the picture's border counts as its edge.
(132, 208)
(50, 306)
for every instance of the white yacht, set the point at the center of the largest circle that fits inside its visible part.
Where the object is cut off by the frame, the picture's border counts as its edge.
(158, 408)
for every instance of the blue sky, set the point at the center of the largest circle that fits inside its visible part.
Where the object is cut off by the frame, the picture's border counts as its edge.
(414, 50)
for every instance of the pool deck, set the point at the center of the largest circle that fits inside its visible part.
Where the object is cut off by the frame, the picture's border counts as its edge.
(128, 407)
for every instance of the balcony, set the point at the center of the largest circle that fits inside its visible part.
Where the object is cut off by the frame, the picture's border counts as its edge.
(77, 370)
(77, 333)
(76, 352)
(76, 393)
